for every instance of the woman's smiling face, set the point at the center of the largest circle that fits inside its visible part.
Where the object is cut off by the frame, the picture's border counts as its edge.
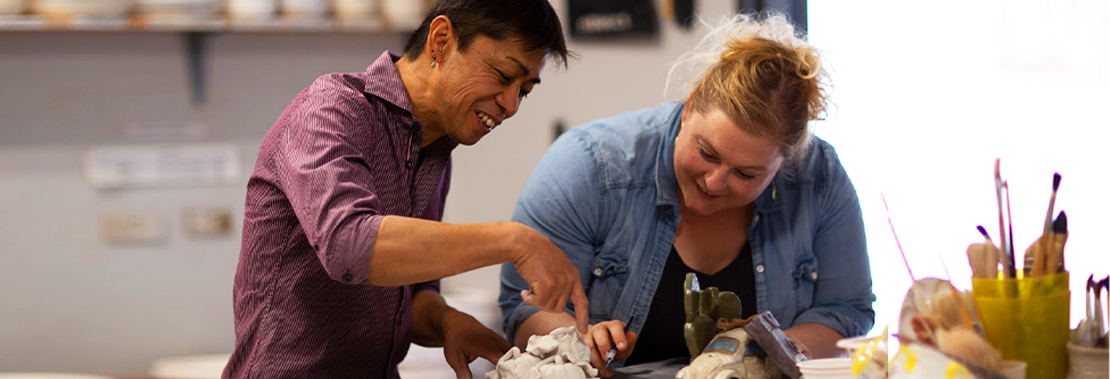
(719, 166)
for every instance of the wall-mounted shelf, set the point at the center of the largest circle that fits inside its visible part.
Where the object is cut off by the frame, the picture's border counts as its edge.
(139, 24)
(195, 33)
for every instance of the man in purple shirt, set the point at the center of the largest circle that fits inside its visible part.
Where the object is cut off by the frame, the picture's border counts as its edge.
(342, 245)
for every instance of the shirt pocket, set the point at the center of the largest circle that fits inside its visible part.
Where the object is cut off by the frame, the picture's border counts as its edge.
(805, 282)
(608, 275)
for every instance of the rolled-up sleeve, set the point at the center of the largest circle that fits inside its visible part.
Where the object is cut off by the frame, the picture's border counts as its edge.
(561, 200)
(329, 186)
(843, 295)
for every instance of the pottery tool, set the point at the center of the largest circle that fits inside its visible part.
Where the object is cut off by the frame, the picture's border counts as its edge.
(1001, 213)
(891, 223)
(1009, 249)
(613, 352)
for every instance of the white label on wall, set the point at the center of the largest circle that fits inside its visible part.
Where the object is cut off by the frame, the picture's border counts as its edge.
(132, 166)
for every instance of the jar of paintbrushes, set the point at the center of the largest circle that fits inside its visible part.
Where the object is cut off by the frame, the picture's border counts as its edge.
(1024, 312)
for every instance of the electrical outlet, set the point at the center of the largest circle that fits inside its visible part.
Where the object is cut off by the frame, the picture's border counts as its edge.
(207, 222)
(132, 228)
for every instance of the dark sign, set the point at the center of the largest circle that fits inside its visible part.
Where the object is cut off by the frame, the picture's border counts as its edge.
(597, 18)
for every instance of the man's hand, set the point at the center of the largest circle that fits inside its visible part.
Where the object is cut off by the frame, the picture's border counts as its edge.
(465, 339)
(552, 279)
(605, 336)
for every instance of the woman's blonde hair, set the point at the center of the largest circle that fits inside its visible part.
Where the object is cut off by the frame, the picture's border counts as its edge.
(761, 72)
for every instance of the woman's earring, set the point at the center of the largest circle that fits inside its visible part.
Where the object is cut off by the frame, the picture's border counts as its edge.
(434, 61)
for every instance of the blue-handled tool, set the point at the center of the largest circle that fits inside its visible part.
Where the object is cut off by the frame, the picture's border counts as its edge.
(613, 352)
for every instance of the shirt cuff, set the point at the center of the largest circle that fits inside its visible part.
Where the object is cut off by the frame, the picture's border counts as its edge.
(521, 313)
(837, 321)
(426, 286)
(347, 258)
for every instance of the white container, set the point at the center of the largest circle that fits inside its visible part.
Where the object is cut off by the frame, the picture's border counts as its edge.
(252, 9)
(827, 368)
(356, 10)
(404, 14)
(189, 367)
(304, 9)
(11, 6)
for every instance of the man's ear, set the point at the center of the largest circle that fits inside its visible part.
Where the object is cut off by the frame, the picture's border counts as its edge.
(441, 38)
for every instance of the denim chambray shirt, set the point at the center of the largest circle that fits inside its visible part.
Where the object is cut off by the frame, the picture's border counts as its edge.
(605, 193)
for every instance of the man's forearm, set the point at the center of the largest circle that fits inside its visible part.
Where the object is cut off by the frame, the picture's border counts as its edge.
(410, 250)
(428, 310)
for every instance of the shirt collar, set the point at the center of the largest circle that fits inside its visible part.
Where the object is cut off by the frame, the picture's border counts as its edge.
(666, 185)
(383, 81)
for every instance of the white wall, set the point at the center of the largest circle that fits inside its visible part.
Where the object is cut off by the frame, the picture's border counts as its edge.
(929, 94)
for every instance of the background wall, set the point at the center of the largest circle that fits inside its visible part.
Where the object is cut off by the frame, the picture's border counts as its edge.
(926, 98)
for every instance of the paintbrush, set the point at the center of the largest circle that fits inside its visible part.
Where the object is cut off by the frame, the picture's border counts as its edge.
(983, 257)
(1054, 263)
(1042, 245)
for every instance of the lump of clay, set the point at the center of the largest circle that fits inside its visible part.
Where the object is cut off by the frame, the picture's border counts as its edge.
(559, 355)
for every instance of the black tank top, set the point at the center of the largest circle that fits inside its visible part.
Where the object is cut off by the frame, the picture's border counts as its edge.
(661, 337)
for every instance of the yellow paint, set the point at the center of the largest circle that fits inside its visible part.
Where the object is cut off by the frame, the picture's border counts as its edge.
(955, 369)
(866, 351)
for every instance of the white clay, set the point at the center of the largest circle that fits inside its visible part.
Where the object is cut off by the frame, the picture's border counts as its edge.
(559, 355)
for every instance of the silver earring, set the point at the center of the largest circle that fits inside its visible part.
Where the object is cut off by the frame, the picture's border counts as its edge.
(434, 64)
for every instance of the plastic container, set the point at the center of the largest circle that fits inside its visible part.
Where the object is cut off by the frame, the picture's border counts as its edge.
(1027, 320)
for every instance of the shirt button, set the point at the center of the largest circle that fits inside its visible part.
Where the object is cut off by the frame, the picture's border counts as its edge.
(597, 271)
(813, 276)
(347, 277)
(408, 164)
(759, 269)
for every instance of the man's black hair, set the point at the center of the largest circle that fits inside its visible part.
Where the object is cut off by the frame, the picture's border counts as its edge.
(532, 22)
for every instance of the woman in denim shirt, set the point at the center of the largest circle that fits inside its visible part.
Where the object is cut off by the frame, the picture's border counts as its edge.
(730, 184)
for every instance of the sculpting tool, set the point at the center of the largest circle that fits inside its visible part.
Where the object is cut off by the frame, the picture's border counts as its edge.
(613, 352)
(1001, 212)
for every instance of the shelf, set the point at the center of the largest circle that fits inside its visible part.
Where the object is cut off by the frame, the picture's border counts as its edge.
(196, 33)
(21, 23)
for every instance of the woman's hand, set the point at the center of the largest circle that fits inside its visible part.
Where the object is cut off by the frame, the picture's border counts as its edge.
(605, 336)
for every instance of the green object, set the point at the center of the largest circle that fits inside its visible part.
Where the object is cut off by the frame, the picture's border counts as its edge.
(703, 309)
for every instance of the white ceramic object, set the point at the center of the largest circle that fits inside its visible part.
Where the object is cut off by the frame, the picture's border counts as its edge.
(252, 9)
(827, 368)
(178, 8)
(190, 367)
(11, 6)
(48, 375)
(304, 9)
(558, 355)
(1088, 362)
(404, 14)
(77, 8)
(356, 10)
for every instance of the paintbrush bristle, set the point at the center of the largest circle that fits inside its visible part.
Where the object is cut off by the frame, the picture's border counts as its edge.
(1055, 181)
(1061, 223)
(983, 231)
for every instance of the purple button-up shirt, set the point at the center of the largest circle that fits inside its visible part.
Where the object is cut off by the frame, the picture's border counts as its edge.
(344, 154)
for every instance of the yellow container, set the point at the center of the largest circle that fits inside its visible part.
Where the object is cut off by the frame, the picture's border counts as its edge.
(1027, 320)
